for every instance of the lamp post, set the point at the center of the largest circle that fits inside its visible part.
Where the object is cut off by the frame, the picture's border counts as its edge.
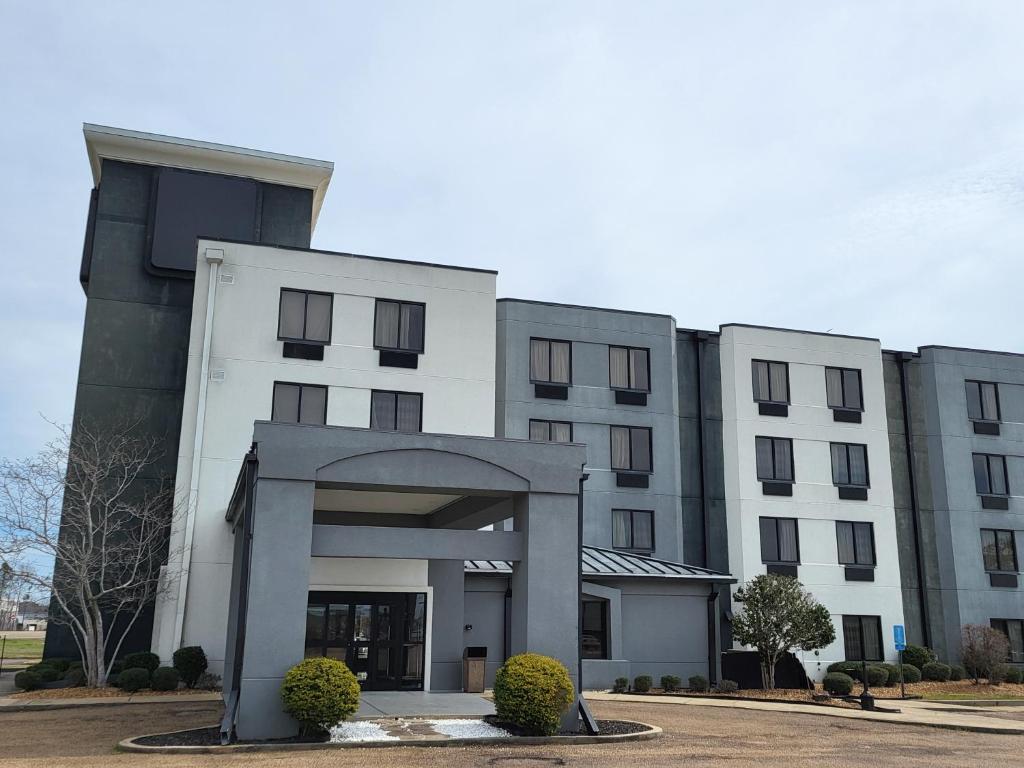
(867, 701)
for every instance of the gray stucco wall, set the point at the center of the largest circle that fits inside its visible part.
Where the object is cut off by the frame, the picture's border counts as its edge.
(958, 587)
(485, 613)
(591, 406)
(135, 337)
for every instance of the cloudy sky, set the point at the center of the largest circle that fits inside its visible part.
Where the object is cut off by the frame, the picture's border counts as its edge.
(853, 166)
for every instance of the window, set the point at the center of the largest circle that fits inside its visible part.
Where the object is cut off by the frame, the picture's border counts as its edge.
(299, 403)
(780, 542)
(774, 459)
(629, 368)
(856, 543)
(631, 449)
(850, 464)
(305, 316)
(998, 550)
(842, 388)
(982, 401)
(595, 629)
(990, 474)
(771, 381)
(1014, 631)
(398, 326)
(862, 637)
(551, 431)
(633, 530)
(550, 361)
(396, 411)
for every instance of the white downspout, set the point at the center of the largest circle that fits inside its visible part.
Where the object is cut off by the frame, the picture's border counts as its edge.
(214, 257)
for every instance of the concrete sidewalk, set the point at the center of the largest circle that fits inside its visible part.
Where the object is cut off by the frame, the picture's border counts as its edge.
(12, 704)
(935, 714)
(422, 704)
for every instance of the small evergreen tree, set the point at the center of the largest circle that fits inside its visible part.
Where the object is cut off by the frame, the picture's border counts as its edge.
(779, 615)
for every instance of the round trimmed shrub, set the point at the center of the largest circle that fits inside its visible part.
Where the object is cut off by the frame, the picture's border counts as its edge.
(75, 677)
(133, 679)
(165, 679)
(918, 656)
(142, 660)
(893, 673)
(670, 683)
(877, 676)
(320, 693)
(533, 691)
(698, 683)
(1013, 674)
(61, 665)
(935, 671)
(642, 683)
(911, 674)
(116, 667)
(621, 685)
(27, 681)
(728, 686)
(190, 662)
(114, 679)
(837, 683)
(957, 672)
(46, 672)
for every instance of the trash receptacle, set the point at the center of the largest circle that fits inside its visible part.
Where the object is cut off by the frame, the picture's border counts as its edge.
(474, 668)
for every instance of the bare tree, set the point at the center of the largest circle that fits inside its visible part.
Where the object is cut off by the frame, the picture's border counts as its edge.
(87, 503)
(984, 651)
(16, 592)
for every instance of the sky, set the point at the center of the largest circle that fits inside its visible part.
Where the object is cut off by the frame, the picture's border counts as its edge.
(847, 166)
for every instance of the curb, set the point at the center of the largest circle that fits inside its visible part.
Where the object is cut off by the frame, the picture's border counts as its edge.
(35, 705)
(129, 745)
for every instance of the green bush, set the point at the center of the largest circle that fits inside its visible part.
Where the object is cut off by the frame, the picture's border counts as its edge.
(320, 693)
(837, 683)
(27, 681)
(75, 677)
(918, 656)
(46, 672)
(533, 691)
(893, 671)
(698, 683)
(133, 679)
(911, 674)
(190, 662)
(728, 686)
(957, 672)
(935, 671)
(115, 668)
(142, 660)
(621, 685)
(1013, 674)
(208, 681)
(643, 683)
(114, 679)
(877, 676)
(165, 679)
(670, 683)
(61, 665)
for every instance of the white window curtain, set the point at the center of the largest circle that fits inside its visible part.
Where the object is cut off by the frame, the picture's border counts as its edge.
(840, 469)
(847, 546)
(560, 362)
(989, 551)
(618, 367)
(858, 464)
(408, 416)
(778, 373)
(834, 387)
(382, 411)
(989, 402)
(621, 529)
(290, 321)
(561, 432)
(540, 369)
(539, 430)
(386, 329)
(410, 328)
(1006, 551)
(620, 448)
(788, 551)
(997, 474)
(638, 369)
(318, 317)
(864, 549)
(643, 530)
(313, 405)
(762, 388)
(783, 459)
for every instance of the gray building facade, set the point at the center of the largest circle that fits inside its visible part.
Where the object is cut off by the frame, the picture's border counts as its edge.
(956, 424)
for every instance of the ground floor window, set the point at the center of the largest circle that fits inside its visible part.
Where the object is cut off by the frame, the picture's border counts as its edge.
(595, 629)
(862, 637)
(381, 636)
(1014, 631)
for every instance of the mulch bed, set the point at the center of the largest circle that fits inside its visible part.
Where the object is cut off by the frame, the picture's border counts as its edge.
(607, 728)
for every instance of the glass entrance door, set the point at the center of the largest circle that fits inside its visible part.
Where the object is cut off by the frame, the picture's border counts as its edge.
(380, 635)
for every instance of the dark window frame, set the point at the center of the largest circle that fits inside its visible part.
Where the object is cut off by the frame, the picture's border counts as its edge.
(796, 535)
(1014, 657)
(400, 302)
(988, 471)
(632, 527)
(981, 402)
(792, 460)
(874, 552)
(862, 655)
(770, 363)
(867, 467)
(628, 374)
(395, 393)
(305, 317)
(302, 386)
(549, 422)
(1013, 541)
(650, 449)
(529, 361)
(842, 387)
(604, 633)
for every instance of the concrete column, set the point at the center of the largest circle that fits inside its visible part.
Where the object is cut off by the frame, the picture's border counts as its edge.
(275, 627)
(545, 584)
(447, 577)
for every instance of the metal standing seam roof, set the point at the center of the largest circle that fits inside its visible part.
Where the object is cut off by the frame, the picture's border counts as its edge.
(607, 563)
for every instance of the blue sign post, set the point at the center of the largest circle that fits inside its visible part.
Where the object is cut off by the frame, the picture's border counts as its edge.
(899, 635)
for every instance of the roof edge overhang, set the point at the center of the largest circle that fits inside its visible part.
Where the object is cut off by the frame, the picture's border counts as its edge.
(104, 142)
